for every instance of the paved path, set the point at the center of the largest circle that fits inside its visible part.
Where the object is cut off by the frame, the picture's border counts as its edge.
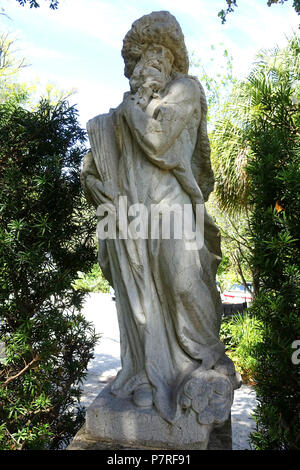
(101, 310)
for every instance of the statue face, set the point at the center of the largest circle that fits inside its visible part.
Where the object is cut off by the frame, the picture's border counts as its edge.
(153, 69)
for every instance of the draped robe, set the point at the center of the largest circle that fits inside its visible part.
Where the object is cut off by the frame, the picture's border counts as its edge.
(167, 302)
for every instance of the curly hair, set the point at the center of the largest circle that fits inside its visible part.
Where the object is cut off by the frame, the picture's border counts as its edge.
(159, 27)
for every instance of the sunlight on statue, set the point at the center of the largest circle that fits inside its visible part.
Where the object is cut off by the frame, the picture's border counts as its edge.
(154, 150)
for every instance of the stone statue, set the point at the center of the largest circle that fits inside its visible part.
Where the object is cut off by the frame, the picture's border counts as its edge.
(154, 150)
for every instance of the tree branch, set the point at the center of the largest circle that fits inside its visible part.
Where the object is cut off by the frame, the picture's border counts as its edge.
(28, 366)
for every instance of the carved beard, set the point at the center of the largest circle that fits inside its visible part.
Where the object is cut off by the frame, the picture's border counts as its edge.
(148, 77)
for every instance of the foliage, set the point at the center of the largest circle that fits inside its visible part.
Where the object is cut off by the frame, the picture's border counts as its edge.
(255, 154)
(10, 90)
(233, 3)
(53, 4)
(240, 335)
(46, 236)
(231, 152)
(236, 247)
(93, 281)
(218, 82)
(219, 87)
(9, 64)
(222, 91)
(274, 171)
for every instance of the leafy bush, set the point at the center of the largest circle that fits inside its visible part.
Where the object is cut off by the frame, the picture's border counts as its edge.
(274, 170)
(46, 237)
(241, 334)
(258, 168)
(93, 281)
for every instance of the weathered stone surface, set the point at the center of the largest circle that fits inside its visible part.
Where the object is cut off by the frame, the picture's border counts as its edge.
(220, 439)
(114, 424)
(86, 441)
(119, 420)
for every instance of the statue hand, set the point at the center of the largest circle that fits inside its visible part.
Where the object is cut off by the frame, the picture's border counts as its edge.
(101, 191)
(141, 98)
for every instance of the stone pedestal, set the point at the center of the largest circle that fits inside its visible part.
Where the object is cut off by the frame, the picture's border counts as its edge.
(114, 423)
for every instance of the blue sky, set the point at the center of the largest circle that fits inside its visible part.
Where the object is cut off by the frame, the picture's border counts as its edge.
(79, 45)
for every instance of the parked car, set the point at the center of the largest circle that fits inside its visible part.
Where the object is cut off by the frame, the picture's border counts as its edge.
(238, 294)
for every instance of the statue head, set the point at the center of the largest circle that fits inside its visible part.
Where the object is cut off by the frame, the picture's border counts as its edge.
(153, 69)
(155, 41)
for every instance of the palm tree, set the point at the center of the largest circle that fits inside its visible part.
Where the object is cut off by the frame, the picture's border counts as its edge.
(274, 78)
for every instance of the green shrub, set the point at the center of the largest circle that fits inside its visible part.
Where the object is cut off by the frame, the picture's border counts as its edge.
(258, 163)
(274, 171)
(46, 237)
(241, 334)
(93, 281)
(226, 333)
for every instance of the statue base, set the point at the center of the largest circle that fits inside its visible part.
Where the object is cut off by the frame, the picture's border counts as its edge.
(116, 423)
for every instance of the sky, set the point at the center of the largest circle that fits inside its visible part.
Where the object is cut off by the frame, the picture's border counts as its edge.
(79, 45)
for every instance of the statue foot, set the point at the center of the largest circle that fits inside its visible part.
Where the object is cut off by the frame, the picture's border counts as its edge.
(142, 396)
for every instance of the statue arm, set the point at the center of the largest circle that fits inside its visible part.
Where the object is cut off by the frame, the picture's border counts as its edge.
(155, 134)
(95, 191)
